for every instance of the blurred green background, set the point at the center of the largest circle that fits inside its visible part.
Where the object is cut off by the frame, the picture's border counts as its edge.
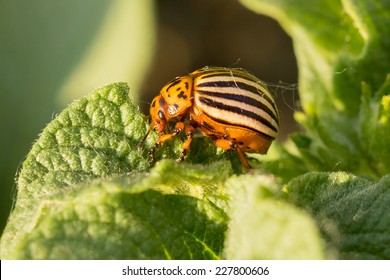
(52, 52)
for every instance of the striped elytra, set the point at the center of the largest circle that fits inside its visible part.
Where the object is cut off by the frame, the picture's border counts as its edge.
(229, 105)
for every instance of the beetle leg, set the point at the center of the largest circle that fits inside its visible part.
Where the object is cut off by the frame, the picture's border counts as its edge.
(165, 137)
(241, 154)
(227, 144)
(190, 130)
(141, 143)
(152, 151)
(162, 138)
(243, 158)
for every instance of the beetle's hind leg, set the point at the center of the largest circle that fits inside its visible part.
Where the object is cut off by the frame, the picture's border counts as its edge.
(231, 144)
(243, 158)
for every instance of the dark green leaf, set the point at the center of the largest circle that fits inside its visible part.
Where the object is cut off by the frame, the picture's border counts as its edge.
(352, 212)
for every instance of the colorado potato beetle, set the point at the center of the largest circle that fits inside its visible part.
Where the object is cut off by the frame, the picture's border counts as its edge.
(229, 105)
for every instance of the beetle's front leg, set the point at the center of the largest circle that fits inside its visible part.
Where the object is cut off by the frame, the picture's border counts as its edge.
(190, 130)
(165, 137)
(162, 138)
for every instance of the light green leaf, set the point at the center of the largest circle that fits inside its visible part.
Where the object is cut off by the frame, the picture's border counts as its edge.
(374, 130)
(338, 44)
(264, 227)
(134, 216)
(352, 212)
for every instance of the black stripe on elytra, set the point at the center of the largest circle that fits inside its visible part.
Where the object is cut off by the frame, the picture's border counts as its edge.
(238, 111)
(240, 85)
(220, 121)
(230, 74)
(243, 99)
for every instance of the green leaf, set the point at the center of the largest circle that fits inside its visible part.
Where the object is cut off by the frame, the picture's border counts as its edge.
(338, 45)
(85, 192)
(375, 127)
(264, 227)
(352, 212)
(134, 216)
(94, 137)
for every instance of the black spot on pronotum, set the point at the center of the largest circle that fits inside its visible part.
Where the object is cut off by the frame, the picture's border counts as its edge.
(182, 95)
(162, 101)
(161, 115)
(187, 85)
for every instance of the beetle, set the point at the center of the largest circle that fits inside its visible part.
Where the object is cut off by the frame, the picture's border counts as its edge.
(230, 105)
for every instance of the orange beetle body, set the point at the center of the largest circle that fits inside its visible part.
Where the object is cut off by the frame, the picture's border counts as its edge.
(229, 105)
